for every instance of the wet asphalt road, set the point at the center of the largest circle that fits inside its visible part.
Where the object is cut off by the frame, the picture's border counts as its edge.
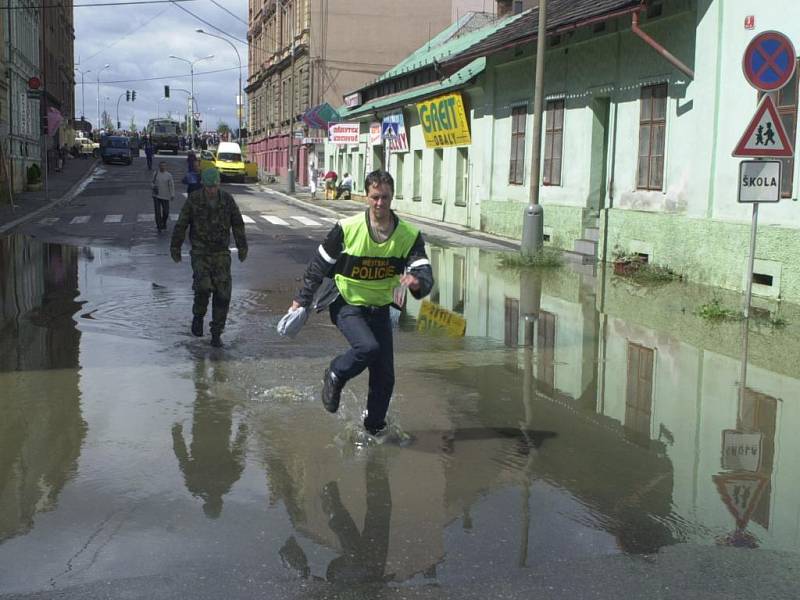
(585, 439)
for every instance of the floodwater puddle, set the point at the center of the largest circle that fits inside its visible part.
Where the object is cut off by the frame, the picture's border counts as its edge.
(537, 417)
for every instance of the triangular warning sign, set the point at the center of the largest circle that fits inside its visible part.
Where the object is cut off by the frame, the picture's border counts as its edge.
(765, 136)
(740, 492)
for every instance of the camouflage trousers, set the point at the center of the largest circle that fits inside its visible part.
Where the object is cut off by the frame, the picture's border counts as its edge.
(211, 274)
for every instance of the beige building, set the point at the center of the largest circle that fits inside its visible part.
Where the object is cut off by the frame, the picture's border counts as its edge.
(338, 47)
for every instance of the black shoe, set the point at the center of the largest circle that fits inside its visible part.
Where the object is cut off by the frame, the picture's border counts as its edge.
(216, 339)
(197, 326)
(378, 431)
(331, 391)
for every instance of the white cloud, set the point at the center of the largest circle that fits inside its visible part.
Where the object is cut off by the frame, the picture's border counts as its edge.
(136, 52)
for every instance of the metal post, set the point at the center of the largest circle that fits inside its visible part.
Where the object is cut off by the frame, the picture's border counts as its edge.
(290, 171)
(751, 261)
(533, 217)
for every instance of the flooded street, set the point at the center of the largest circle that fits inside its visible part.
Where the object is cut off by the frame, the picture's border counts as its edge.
(586, 438)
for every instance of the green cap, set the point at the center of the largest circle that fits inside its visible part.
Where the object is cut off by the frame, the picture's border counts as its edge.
(210, 177)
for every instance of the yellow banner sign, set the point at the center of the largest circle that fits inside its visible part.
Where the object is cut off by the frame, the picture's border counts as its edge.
(433, 316)
(444, 121)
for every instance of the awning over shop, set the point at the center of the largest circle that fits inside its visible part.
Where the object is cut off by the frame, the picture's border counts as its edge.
(319, 116)
(459, 79)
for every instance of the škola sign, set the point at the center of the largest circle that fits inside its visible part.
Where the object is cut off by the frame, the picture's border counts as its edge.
(444, 121)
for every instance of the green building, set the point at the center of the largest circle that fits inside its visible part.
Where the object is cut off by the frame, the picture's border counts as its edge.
(636, 146)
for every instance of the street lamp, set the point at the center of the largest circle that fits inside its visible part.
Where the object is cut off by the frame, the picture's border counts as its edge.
(240, 97)
(83, 90)
(191, 72)
(97, 124)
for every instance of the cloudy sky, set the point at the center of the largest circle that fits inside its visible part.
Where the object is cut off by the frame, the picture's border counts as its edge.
(137, 41)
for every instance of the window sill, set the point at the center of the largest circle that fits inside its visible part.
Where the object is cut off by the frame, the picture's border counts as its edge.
(398, 196)
(515, 183)
(417, 198)
(436, 200)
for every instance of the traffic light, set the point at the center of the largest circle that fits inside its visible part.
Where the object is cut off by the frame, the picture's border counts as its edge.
(127, 96)
(133, 95)
(166, 91)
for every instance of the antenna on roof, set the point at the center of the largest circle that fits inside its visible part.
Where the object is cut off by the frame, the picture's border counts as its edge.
(429, 35)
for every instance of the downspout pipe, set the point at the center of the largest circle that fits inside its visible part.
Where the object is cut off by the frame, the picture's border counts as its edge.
(659, 48)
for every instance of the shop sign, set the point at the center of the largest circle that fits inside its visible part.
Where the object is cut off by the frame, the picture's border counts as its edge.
(398, 143)
(444, 121)
(313, 140)
(375, 134)
(344, 133)
(353, 100)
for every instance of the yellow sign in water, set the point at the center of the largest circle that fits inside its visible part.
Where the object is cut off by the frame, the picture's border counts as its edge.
(433, 316)
(444, 121)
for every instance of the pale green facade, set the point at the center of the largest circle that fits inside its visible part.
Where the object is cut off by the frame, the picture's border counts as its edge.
(693, 224)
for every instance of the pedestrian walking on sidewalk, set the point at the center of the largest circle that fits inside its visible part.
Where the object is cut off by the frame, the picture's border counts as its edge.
(192, 179)
(210, 214)
(367, 255)
(163, 192)
(148, 153)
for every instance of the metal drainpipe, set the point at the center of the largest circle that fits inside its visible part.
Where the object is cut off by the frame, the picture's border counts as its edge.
(659, 48)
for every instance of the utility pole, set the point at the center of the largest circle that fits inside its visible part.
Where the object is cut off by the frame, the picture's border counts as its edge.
(533, 217)
(290, 171)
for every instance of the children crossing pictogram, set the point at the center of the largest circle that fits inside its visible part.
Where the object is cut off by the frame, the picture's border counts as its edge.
(765, 136)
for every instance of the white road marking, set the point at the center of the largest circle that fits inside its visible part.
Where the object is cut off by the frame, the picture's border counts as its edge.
(329, 220)
(275, 220)
(113, 219)
(306, 221)
(81, 219)
(146, 218)
(173, 216)
(49, 221)
(247, 219)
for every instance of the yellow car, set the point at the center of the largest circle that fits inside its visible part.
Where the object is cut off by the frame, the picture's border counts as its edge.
(227, 159)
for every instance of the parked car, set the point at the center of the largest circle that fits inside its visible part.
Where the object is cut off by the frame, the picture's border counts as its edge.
(227, 158)
(115, 148)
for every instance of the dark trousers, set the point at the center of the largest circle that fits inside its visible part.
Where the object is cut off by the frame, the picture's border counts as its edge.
(161, 209)
(211, 275)
(369, 331)
(149, 161)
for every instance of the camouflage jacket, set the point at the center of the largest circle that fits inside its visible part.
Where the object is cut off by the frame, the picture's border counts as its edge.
(209, 228)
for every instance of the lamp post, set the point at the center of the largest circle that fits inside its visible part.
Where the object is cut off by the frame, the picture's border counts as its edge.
(290, 183)
(191, 72)
(97, 124)
(83, 90)
(240, 96)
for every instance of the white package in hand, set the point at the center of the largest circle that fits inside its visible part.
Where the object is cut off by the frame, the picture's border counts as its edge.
(292, 322)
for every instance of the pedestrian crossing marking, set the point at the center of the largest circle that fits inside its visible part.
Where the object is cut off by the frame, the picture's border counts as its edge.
(275, 220)
(113, 219)
(81, 219)
(146, 218)
(49, 221)
(247, 219)
(173, 216)
(306, 221)
(330, 220)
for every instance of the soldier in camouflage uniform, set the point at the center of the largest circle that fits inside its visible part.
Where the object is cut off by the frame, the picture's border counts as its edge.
(210, 214)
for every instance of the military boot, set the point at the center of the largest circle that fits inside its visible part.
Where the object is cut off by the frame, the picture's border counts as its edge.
(216, 339)
(197, 326)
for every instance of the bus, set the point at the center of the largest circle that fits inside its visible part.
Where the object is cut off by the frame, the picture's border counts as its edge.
(164, 134)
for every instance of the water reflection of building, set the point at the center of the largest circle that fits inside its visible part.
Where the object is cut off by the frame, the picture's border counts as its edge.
(41, 430)
(643, 392)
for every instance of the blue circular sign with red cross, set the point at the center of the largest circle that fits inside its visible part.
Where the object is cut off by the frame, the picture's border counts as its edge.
(769, 61)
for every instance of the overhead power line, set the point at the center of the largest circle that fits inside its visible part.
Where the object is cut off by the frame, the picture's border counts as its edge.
(131, 32)
(181, 76)
(234, 15)
(8, 7)
(214, 27)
